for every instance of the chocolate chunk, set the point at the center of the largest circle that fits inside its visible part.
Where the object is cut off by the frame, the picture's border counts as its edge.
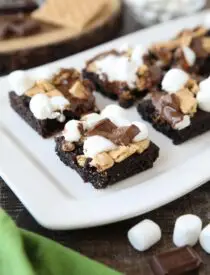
(197, 47)
(124, 135)
(13, 6)
(103, 128)
(18, 26)
(178, 261)
(118, 135)
(168, 107)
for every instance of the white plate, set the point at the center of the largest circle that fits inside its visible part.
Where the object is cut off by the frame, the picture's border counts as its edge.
(58, 198)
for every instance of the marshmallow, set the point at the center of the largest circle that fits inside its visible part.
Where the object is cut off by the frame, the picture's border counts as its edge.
(20, 82)
(94, 145)
(127, 67)
(144, 235)
(203, 95)
(143, 134)
(184, 123)
(113, 110)
(71, 131)
(187, 230)
(59, 103)
(189, 55)
(174, 80)
(90, 120)
(205, 239)
(41, 107)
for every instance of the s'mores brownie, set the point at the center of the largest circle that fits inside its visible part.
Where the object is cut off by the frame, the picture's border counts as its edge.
(117, 74)
(47, 102)
(181, 110)
(106, 148)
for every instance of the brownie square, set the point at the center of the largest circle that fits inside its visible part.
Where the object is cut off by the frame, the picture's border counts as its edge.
(200, 123)
(45, 127)
(132, 165)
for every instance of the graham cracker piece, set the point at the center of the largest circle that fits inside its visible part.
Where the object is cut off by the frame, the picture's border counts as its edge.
(69, 13)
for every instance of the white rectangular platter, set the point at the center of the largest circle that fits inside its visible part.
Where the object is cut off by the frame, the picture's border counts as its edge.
(58, 198)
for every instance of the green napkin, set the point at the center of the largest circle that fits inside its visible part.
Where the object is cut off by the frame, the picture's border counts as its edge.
(26, 253)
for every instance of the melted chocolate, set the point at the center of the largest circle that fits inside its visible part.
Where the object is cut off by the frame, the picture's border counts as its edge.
(197, 47)
(118, 135)
(64, 82)
(168, 107)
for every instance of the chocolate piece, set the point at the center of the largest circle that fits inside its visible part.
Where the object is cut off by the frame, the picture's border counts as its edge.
(118, 135)
(197, 47)
(13, 6)
(200, 123)
(132, 165)
(18, 26)
(168, 107)
(178, 261)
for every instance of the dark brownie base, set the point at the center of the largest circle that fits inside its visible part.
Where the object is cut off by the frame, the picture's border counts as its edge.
(46, 127)
(105, 91)
(200, 123)
(127, 168)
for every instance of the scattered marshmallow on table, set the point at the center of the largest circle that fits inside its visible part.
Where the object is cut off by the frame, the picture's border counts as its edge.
(187, 230)
(144, 235)
(205, 239)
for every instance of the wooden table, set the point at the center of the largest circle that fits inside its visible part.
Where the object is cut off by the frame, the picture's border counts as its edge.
(109, 244)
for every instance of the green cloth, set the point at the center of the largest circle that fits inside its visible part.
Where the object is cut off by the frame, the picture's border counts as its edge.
(26, 253)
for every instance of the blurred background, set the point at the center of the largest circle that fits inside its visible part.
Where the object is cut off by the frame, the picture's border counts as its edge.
(35, 32)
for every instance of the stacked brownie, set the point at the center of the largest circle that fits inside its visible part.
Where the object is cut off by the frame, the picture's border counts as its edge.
(47, 102)
(105, 148)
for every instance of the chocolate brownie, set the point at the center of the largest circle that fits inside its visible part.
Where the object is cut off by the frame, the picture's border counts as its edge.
(66, 85)
(126, 93)
(200, 123)
(105, 148)
(119, 171)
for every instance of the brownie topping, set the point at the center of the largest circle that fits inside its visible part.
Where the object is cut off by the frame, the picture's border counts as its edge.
(198, 48)
(19, 26)
(168, 107)
(118, 135)
(76, 90)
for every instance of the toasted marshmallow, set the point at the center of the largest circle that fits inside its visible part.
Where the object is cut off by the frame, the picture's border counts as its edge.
(94, 145)
(205, 239)
(183, 123)
(174, 80)
(187, 230)
(41, 107)
(189, 55)
(90, 120)
(20, 82)
(72, 131)
(143, 134)
(144, 235)
(203, 95)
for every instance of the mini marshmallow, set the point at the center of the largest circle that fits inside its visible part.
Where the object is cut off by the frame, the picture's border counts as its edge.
(174, 80)
(203, 95)
(187, 230)
(59, 103)
(119, 122)
(20, 82)
(189, 55)
(72, 131)
(144, 235)
(90, 120)
(205, 239)
(94, 145)
(41, 107)
(143, 134)
(184, 123)
(137, 54)
(113, 110)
